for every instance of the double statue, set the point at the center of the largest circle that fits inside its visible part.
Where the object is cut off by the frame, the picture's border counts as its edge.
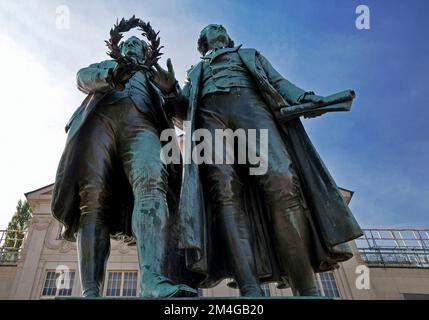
(195, 224)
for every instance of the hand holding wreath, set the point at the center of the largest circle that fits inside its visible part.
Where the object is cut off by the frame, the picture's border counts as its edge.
(120, 75)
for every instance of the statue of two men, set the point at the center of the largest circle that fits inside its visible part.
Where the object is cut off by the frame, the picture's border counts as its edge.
(215, 220)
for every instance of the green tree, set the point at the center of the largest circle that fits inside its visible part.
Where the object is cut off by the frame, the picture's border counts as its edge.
(16, 230)
(22, 215)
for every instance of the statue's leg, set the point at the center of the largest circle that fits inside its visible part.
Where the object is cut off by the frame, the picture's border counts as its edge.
(93, 243)
(289, 223)
(140, 154)
(226, 194)
(281, 189)
(97, 147)
(225, 188)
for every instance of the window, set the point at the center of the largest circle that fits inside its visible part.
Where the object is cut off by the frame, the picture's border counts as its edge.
(121, 284)
(200, 292)
(55, 286)
(266, 289)
(326, 285)
(60, 231)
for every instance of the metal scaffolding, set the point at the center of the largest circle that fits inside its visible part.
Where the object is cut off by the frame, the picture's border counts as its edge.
(11, 242)
(400, 248)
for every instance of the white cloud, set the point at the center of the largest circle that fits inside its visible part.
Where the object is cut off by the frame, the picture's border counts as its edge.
(38, 83)
(33, 105)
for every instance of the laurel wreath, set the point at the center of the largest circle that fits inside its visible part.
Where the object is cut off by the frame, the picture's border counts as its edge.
(116, 34)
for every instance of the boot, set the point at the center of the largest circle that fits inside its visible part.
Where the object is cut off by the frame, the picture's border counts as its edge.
(293, 247)
(150, 227)
(240, 253)
(154, 285)
(93, 247)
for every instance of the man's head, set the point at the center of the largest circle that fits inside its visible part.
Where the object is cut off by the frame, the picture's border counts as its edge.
(134, 48)
(212, 36)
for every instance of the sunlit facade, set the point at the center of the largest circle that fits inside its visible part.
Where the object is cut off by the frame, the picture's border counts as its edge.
(387, 264)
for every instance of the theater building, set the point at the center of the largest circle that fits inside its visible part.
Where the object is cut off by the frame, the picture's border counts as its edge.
(387, 264)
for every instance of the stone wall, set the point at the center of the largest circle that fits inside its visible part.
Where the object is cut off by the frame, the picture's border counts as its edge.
(7, 276)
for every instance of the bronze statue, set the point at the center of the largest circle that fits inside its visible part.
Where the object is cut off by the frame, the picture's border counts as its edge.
(281, 226)
(111, 182)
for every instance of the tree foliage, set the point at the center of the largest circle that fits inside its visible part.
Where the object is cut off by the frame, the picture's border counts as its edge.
(18, 225)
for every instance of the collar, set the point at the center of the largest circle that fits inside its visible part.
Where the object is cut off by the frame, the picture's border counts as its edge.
(210, 55)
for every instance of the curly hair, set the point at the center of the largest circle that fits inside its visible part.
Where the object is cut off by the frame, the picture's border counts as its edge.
(203, 46)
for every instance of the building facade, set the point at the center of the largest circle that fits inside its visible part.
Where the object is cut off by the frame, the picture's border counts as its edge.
(387, 264)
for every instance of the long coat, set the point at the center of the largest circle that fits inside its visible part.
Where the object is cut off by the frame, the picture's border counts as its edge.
(65, 198)
(331, 221)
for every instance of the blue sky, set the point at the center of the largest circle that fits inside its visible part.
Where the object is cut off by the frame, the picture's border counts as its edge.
(380, 149)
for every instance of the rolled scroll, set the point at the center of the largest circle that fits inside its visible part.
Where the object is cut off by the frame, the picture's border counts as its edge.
(341, 101)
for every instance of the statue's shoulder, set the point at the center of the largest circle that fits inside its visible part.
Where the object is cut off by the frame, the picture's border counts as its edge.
(105, 64)
(192, 69)
(248, 51)
(249, 54)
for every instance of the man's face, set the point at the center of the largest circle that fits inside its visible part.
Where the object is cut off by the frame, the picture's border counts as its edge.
(216, 33)
(133, 47)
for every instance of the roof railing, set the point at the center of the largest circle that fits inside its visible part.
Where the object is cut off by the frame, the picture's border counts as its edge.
(11, 243)
(395, 247)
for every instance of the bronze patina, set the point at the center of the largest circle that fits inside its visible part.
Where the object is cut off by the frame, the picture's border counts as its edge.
(110, 181)
(197, 224)
(281, 226)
